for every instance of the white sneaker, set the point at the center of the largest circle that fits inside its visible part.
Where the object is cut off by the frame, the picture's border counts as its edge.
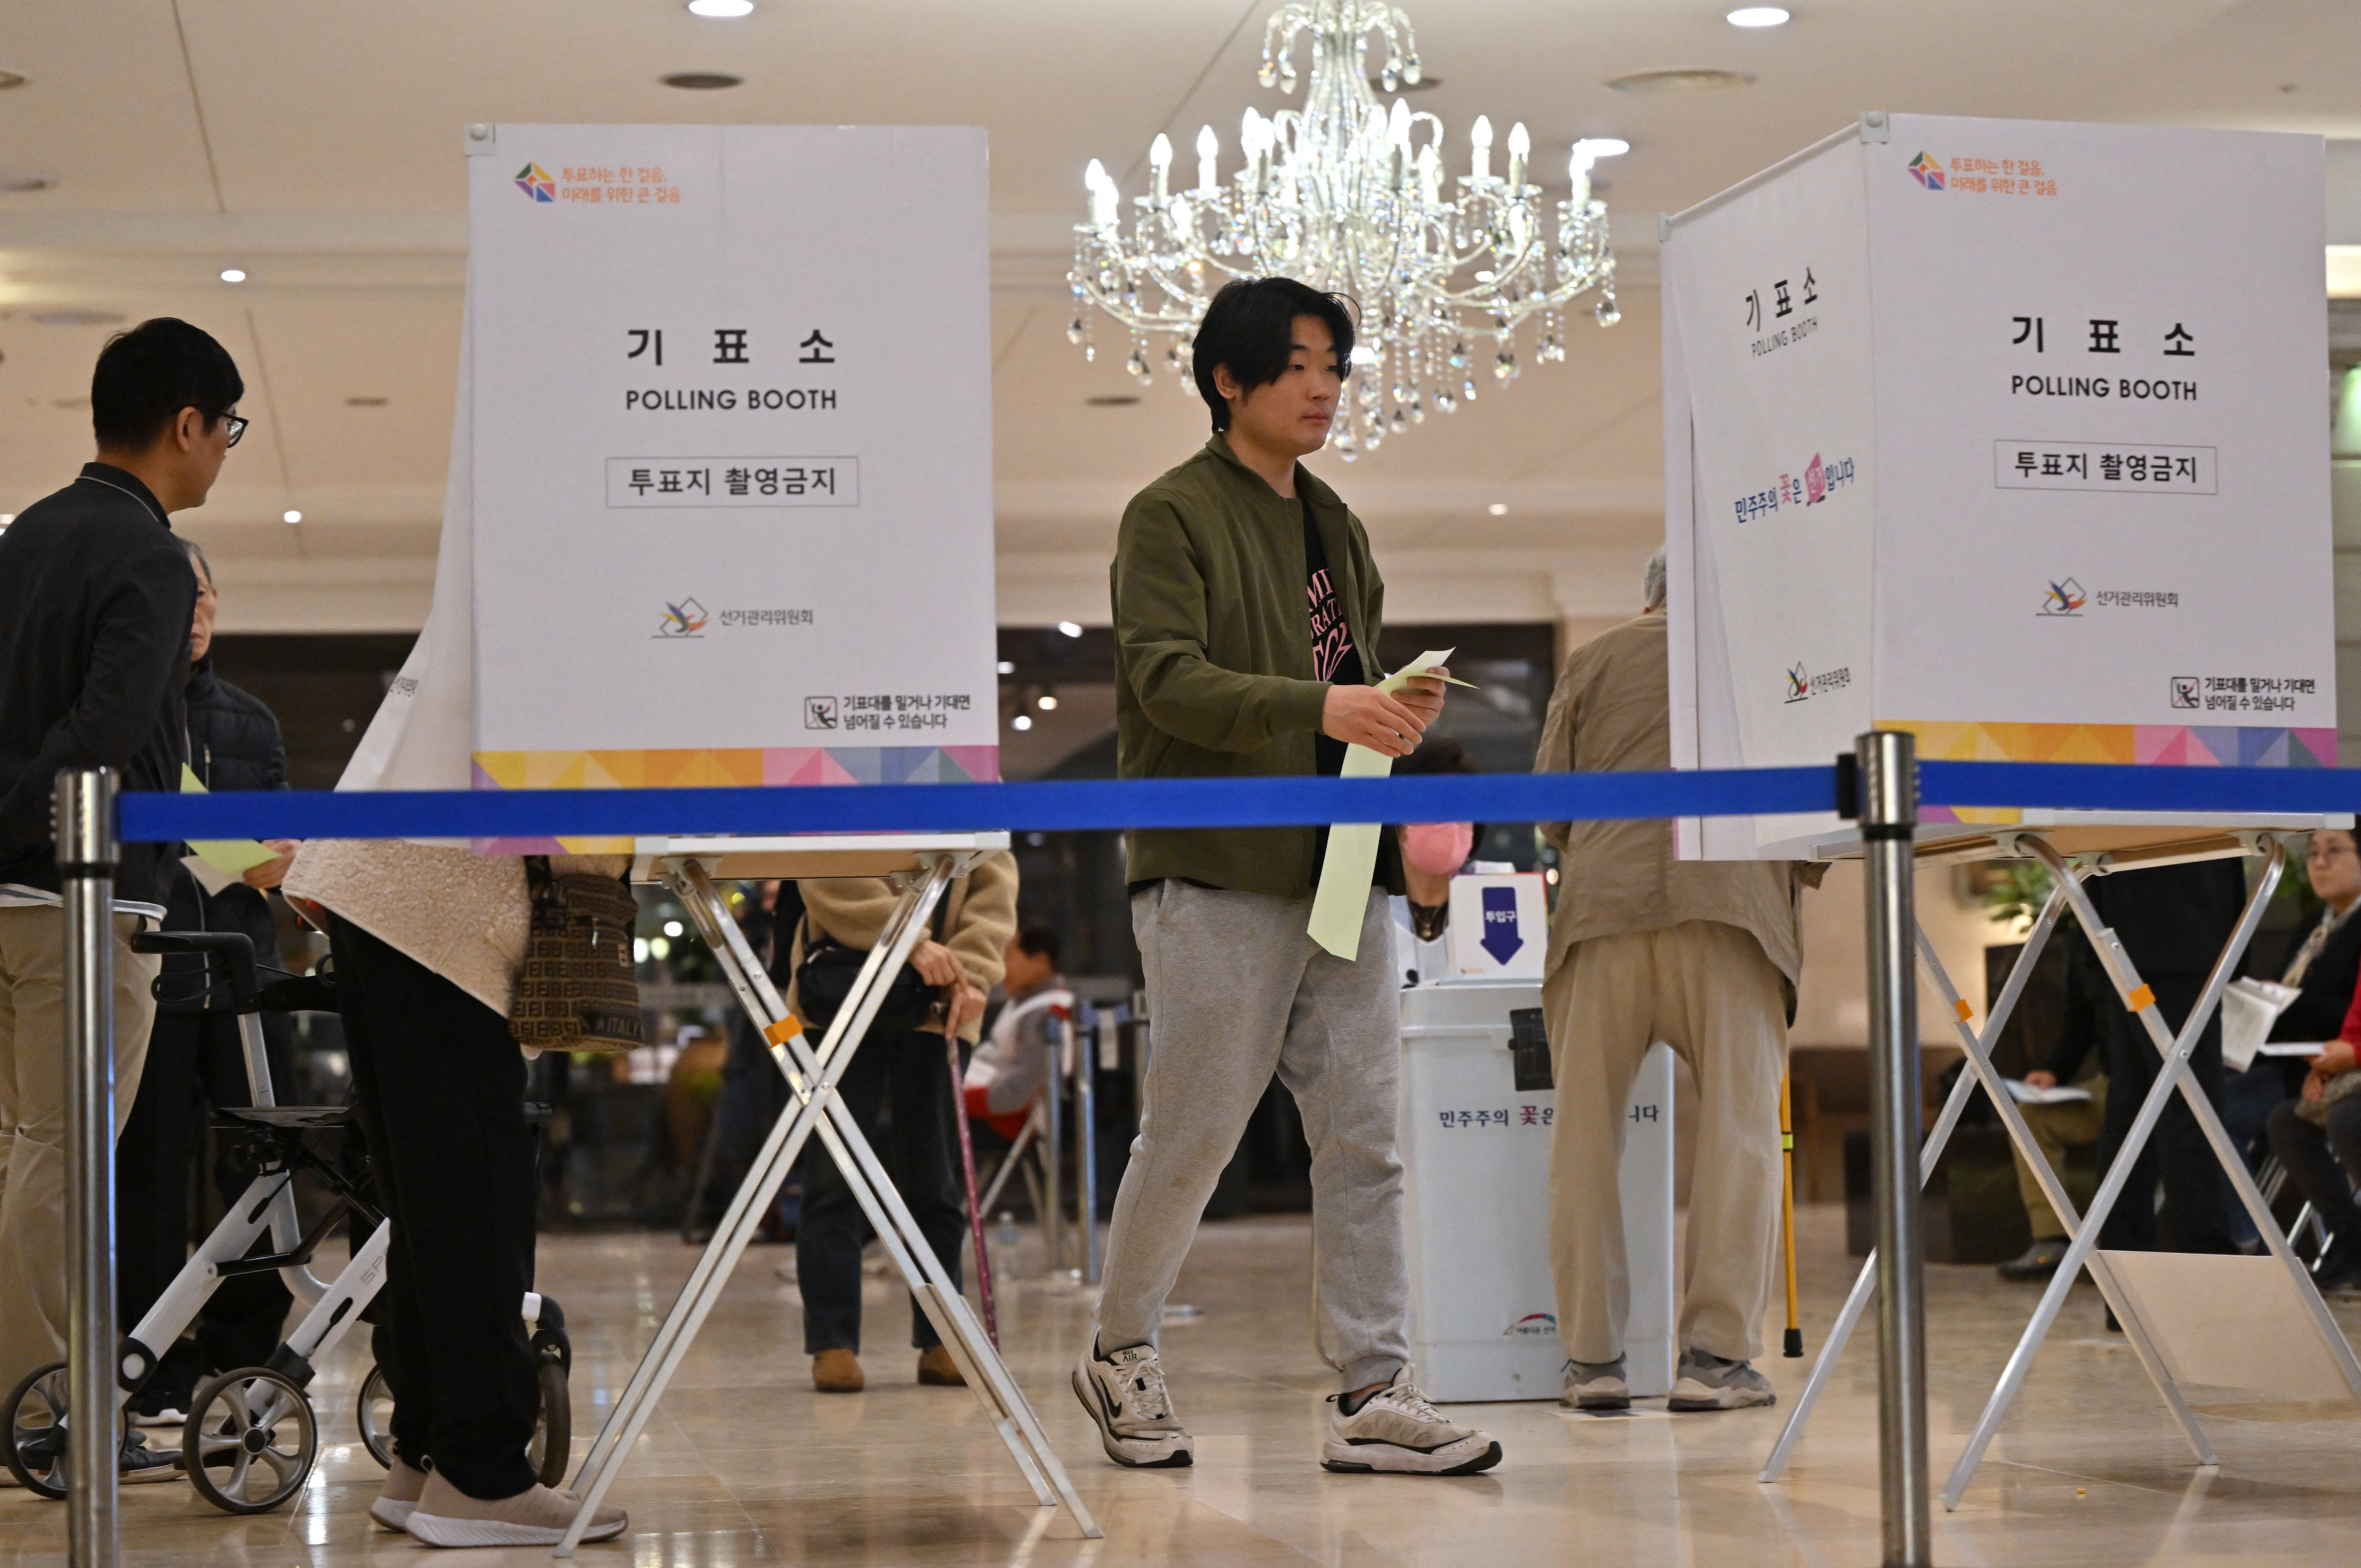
(1596, 1386)
(397, 1499)
(1124, 1394)
(1396, 1431)
(445, 1516)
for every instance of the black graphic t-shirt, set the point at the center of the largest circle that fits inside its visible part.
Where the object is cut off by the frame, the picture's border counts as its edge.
(1334, 657)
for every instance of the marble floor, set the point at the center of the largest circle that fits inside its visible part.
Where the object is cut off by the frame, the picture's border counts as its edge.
(745, 1463)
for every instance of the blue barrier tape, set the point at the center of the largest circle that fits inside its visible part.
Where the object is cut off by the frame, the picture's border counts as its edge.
(967, 807)
(1193, 803)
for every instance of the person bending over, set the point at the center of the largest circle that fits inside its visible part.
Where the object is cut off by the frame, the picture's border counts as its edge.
(1702, 954)
(1246, 608)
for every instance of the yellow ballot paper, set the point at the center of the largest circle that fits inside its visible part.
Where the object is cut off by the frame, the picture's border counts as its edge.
(228, 857)
(1343, 897)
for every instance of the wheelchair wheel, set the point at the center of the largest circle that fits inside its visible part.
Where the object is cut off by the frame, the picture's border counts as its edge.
(36, 1450)
(552, 1450)
(375, 1418)
(250, 1442)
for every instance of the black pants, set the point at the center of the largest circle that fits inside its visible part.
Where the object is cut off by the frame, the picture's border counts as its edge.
(439, 1084)
(2197, 1195)
(2322, 1160)
(909, 1076)
(194, 1063)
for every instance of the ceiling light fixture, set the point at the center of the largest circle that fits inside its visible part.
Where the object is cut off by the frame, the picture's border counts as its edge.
(23, 180)
(1045, 702)
(290, 517)
(1006, 668)
(1021, 721)
(1690, 80)
(1070, 628)
(1498, 509)
(721, 8)
(1349, 195)
(701, 80)
(232, 275)
(1757, 16)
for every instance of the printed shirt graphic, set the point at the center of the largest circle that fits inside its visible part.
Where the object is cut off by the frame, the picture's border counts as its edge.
(1334, 657)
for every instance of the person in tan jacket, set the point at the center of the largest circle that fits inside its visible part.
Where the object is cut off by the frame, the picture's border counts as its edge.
(1703, 955)
(427, 943)
(901, 1064)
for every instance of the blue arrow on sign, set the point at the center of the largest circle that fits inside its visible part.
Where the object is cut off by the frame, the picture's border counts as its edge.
(1501, 937)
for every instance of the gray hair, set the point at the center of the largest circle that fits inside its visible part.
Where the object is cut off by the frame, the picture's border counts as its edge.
(197, 559)
(1652, 580)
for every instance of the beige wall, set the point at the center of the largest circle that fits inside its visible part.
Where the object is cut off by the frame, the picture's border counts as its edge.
(1832, 1004)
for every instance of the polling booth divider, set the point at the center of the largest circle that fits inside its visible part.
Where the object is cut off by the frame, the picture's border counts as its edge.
(1880, 785)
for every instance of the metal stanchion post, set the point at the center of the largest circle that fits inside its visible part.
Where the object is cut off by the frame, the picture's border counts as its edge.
(1889, 810)
(1053, 1151)
(1086, 1145)
(85, 825)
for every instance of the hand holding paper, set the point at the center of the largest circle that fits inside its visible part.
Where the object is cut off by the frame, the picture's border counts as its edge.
(1343, 893)
(224, 860)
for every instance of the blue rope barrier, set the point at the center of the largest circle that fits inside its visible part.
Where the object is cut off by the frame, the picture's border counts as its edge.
(1196, 803)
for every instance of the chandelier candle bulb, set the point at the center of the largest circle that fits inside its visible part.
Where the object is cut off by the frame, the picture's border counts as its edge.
(1209, 152)
(1480, 140)
(1520, 144)
(1159, 159)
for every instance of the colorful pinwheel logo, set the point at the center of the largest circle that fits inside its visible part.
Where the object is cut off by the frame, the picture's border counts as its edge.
(535, 182)
(1928, 171)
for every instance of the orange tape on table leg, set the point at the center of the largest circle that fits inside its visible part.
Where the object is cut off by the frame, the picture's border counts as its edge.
(1965, 1011)
(2140, 999)
(785, 1029)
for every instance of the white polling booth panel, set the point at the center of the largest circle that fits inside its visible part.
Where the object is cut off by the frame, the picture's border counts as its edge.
(1476, 1154)
(1972, 430)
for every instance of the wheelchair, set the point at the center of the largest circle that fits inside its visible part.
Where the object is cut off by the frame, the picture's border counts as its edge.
(252, 1436)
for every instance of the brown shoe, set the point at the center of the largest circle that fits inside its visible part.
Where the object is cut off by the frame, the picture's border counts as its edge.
(937, 1367)
(837, 1372)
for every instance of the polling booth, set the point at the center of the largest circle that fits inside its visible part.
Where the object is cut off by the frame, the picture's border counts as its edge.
(1477, 1113)
(2008, 434)
(720, 512)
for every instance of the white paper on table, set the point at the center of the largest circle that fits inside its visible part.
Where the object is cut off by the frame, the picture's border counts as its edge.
(2291, 1049)
(2249, 1008)
(2025, 1093)
(1342, 896)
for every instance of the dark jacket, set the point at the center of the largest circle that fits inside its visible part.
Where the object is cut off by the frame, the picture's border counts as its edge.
(2326, 992)
(234, 744)
(2173, 920)
(1214, 672)
(96, 595)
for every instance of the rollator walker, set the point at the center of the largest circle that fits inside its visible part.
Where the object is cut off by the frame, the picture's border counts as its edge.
(252, 1438)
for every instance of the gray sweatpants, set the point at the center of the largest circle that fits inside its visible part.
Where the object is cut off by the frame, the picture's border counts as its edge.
(1235, 989)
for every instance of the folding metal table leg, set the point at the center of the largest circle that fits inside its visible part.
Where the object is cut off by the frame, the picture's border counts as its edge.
(1865, 1286)
(2171, 1078)
(761, 1185)
(875, 1192)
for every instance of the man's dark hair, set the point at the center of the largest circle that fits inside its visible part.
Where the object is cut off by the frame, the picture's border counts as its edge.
(147, 376)
(1040, 942)
(1249, 327)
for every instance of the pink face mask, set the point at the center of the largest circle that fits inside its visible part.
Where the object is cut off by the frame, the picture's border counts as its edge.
(1438, 848)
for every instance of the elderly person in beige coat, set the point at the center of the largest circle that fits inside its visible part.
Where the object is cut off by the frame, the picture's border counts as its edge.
(1643, 948)
(902, 1064)
(427, 943)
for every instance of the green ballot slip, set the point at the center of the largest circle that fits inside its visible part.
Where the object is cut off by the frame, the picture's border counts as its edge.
(234, 856)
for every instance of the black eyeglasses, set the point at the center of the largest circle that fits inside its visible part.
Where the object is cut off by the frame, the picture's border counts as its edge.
(237, 427)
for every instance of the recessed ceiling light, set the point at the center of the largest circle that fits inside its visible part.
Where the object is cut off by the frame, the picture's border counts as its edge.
(1047, 702)
(1070, 628)
(701, 80)
(1603, 147)
(233, 275)
(290, 517)
(77, 315)
(11, 78)
(1022, 721)
(1499, 509)
(1695, 79)
(21, 180)
(7, 518)
(1113, 400)
(1006, 668)
(721, 7)
(1757, 16)
(364, 403)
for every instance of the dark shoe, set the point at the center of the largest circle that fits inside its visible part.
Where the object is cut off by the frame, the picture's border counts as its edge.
(837, 1372)
(1596, 1386)
(2339, 1269)
(936, 1370)
(139, 1464)
(2039, 1261)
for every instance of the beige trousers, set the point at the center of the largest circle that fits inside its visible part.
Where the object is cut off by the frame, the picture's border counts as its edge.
(2055, 1128)
(1706, 990)
(33, 1120)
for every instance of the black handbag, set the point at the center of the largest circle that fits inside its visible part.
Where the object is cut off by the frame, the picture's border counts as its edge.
(829, 970)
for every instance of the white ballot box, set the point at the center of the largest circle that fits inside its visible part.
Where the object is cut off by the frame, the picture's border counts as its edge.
(1499, 925)
(1475, 1151)
(1972, 430)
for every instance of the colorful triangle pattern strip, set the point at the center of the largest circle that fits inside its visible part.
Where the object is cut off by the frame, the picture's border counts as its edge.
(2157, 745)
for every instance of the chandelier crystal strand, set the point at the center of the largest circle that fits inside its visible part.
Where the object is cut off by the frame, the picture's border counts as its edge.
(1351, 196)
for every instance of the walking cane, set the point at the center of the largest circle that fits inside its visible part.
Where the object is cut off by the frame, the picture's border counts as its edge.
(1794, 1347)
(975, 1209)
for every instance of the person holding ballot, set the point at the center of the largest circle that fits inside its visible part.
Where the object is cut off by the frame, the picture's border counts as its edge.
(1246, 609)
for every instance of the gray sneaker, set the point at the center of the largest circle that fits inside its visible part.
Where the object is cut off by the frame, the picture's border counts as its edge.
(1125, 1396)
(1709, 1383)
(1596, 1386)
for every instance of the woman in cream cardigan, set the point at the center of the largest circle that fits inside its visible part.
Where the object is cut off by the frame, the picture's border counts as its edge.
(427, 944)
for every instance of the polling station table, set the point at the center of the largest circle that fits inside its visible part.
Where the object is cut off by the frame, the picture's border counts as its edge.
(2245, 1321)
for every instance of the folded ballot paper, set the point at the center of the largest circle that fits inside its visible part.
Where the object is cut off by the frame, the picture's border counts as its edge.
(2249, 1008)
(217, 862)
(1342, 895)
(2025, 1094)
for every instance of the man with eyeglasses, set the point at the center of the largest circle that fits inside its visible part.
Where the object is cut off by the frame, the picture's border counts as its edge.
(97, 599)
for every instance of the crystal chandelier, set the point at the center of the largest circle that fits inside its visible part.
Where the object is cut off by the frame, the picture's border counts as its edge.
(1350, 197)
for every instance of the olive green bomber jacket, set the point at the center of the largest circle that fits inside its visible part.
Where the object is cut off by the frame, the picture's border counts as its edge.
(1213, 673)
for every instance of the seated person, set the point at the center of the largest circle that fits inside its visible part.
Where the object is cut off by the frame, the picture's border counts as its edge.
(2066, 1124)
(1005, 1074)
(2321, 1147)
(2324, 968)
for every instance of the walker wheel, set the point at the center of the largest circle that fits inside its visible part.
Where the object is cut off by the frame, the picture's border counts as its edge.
(36, 1450)
(375, 1418)
(552, 1450)
(250, 1442)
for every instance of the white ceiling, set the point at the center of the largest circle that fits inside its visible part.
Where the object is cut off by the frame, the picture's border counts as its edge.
(317, 145)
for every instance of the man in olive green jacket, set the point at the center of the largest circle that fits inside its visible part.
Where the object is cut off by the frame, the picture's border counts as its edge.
(1245, 616)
